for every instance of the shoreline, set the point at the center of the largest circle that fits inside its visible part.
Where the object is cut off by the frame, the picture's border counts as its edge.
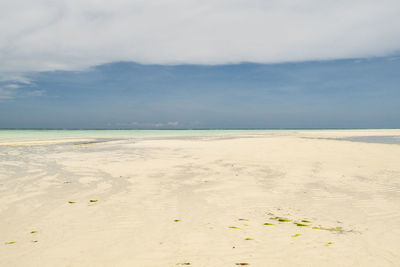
(18, 137)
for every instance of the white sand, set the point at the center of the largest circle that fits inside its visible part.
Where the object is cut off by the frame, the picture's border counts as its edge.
(208, 184)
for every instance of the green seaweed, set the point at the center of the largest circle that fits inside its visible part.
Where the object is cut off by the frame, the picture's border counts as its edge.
(305, 221)
(320, 228)
(233, 227)
(296, 235)
(332, 229)
(301, 224)
(269, 224)
(329, 243)
(33, 232)
(280, 219)
(93, 200)
(71, 202)
(177, 220)
(10, 243)
(248, 238)
(242, 219)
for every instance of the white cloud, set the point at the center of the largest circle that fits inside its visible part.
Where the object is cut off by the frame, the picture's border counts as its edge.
(75, 34)
(173, 123)
(147, 124)
(34, 93)
(9, 91)
(6, 94)
(22, 78)
(12, 86)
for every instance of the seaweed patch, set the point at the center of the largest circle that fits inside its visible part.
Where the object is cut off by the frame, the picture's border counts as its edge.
(280, 219)
(301, 224)
(269, 224)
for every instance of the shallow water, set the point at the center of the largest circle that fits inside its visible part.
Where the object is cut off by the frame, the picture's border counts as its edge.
(38, 135)
(42, 135)
(375, 139)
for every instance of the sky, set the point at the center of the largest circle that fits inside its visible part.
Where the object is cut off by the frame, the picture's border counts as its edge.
(199, 64)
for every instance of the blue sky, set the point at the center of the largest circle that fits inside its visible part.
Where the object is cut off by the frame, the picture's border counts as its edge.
(349, 93)
(199, 64)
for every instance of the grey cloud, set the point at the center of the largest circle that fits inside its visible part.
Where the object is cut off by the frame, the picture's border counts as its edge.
(71, 35)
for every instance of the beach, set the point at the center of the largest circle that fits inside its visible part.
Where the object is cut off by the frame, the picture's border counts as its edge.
(200, 198)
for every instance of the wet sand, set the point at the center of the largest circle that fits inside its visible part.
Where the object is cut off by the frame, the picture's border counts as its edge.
(300, 198)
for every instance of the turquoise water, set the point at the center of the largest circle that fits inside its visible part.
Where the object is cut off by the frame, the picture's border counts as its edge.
(49, 135)
(53, 135)
(41, 135)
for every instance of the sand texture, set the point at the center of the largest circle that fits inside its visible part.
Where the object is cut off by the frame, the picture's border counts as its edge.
(299, 198)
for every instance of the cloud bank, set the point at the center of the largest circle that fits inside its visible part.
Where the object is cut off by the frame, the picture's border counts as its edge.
(45, 35)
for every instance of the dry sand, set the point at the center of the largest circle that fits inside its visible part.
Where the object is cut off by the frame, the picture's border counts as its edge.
(202, 201)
